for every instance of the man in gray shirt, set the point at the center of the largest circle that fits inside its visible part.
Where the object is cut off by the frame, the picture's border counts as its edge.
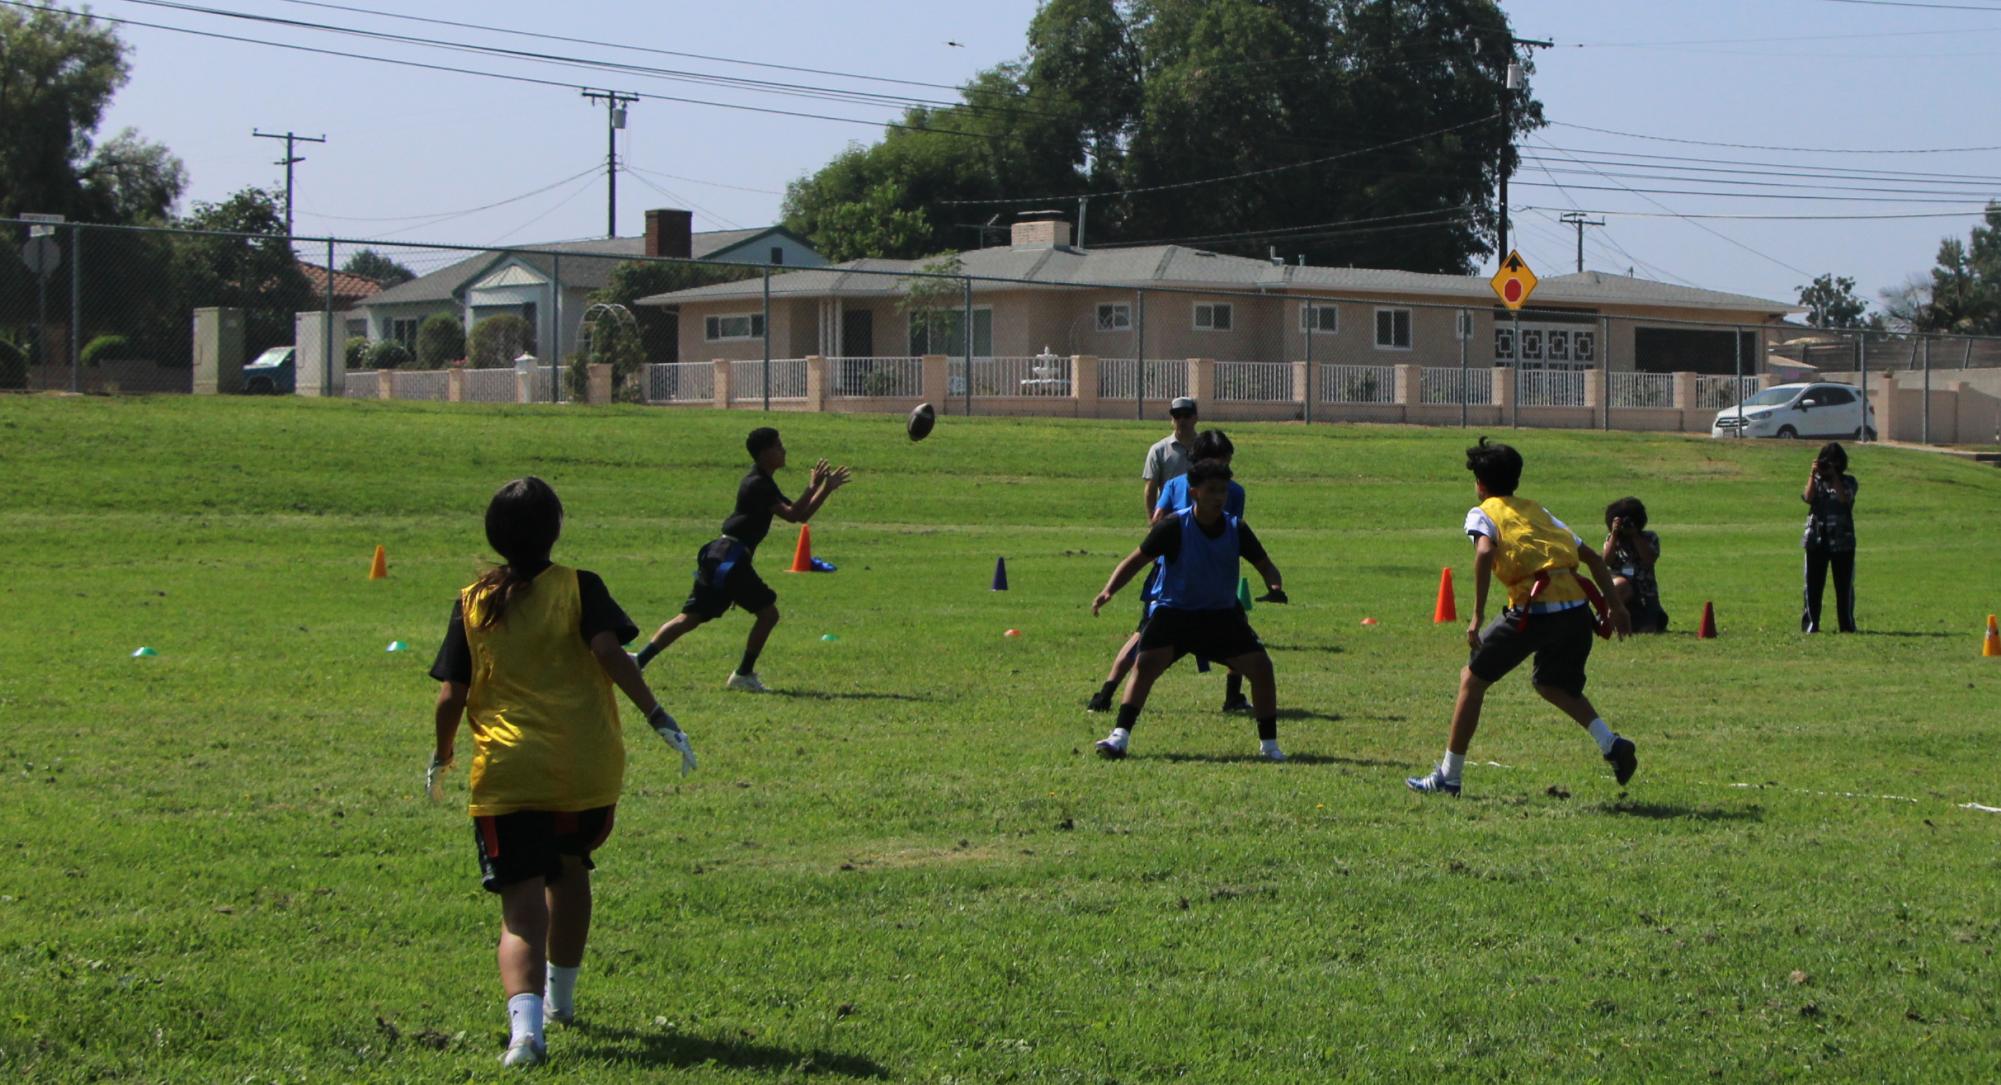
(1168, 459)
(1172, 455)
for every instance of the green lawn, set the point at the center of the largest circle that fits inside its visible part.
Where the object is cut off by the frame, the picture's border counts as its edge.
(905, 864)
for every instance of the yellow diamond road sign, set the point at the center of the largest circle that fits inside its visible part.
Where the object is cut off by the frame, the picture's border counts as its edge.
(1514, 282)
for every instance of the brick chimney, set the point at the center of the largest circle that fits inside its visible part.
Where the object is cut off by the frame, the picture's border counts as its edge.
(1041, 230)
(667, 231)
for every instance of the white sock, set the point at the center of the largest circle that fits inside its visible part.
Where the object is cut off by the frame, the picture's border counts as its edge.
(1603, 735)
(1119, 736)
(524, 1018)
(561, 994)
(1451, 765)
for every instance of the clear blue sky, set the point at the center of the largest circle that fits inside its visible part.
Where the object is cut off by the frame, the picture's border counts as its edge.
(406, 142)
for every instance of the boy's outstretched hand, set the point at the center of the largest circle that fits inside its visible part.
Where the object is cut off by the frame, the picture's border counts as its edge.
(663, 724)
(835, 478)
(1103, 598)
(1276, 595)
(434, 776)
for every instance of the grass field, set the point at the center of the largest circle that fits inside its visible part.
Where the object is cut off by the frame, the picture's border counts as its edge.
(905, 865)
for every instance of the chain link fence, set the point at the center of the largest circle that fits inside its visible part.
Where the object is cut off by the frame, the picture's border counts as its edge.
(117, 310)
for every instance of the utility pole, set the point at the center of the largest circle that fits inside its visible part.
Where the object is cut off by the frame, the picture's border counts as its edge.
(1515, 80)
(1579, 220)
(288, 162)
(614, 105)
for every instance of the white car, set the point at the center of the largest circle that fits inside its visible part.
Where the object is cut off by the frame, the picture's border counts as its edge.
(1796, 410)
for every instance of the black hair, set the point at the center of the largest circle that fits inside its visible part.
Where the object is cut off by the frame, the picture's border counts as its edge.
(1207, 471)
(1628, 509)
(761, 438)
(1212, 444)
(523, 521)
(1497, 466)
(1833, 455)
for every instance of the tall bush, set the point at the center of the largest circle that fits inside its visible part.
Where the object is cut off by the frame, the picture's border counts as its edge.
(441, 340)
(356, 352)
(496, 341)
(13, 366)
(106, 348)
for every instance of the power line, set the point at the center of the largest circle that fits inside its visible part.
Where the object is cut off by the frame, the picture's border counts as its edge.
(1915, 4)
(1784, 218)
(1018, 200)
(710, 184)
(1803, 169)
(441, 216)
(1442, 215)
(1769, 147)
(677, 197)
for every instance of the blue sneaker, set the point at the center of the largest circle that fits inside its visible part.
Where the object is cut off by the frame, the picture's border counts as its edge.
(1433, 783)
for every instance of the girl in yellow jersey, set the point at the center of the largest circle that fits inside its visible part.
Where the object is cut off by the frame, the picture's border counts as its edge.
(530, 658)
(1536, 558)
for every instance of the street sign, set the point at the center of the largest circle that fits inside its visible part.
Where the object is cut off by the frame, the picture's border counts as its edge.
(1514, 282)
(42, 255)
(45, 225)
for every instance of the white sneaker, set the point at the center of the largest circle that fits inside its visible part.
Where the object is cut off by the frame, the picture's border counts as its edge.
(1270, 752)
(525, 1052)
(557, 1017)
(745, 682)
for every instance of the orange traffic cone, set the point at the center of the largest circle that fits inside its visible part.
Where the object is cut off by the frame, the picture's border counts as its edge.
(802, 558)
(1707, 630)
(1446, 610)
(1992, 645)
(379, 568)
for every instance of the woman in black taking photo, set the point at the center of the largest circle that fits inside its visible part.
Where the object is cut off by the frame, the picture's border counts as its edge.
(1829, 539)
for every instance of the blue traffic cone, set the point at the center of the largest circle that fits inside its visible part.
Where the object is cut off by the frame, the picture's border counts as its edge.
(1000, 574)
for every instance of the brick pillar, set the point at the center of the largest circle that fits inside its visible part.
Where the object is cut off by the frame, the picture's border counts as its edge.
(1084, 384)
(722, 388)
(598, 382)
(1884, 398)
(1202, 381)
(937, 380)
(1594, 397)
(1684, 391)
(385, 384)
(455, 385)
(816, 382)
(1768, 380)
(1408, 388)
(1299, 373)
(1503, 380)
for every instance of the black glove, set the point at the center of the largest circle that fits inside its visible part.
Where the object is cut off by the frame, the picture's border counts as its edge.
(1276, 595)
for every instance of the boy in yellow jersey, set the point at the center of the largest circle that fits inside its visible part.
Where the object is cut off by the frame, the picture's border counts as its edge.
(1549, 613)
(530, 657)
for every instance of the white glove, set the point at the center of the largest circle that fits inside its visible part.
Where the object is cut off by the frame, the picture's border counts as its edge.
(664, 725)
(434, 779)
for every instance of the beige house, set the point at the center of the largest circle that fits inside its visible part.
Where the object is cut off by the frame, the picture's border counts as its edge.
(1042, 296)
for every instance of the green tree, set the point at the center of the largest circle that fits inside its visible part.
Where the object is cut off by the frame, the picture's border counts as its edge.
(441, 340)
(1323, 114)
(244, 261)
(1830, 302)
(660, 326)
(496, 341)
(1965, 288)
(374, 266)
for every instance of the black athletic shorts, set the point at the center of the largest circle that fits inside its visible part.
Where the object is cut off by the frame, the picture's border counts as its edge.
(724, 577)
(531, 843)
(1207, 634)
(1560, 642)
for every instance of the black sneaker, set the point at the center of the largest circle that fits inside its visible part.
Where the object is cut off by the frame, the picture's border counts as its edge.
(1100, 701)
(1622, 759)
(1239, 703)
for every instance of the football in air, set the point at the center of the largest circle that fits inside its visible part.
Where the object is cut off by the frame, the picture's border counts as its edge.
(922, 419)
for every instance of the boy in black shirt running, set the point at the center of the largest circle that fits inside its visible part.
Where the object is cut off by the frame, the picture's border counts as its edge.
(1198, 612)
(723, 572)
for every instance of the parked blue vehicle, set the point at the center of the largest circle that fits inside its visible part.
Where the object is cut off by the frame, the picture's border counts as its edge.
(272, 373)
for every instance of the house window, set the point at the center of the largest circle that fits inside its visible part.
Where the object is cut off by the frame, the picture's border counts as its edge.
(1115, 317)
(777, 255)
(1319, 319)
(1212, 317)
(734, 326)
(942, 332)
(404, 332)
(1393, 329)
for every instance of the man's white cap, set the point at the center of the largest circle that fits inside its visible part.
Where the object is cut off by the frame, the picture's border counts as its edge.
(1181, 403)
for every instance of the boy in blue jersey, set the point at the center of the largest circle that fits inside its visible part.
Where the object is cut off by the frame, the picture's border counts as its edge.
(1210, 444)
(1198, 547)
